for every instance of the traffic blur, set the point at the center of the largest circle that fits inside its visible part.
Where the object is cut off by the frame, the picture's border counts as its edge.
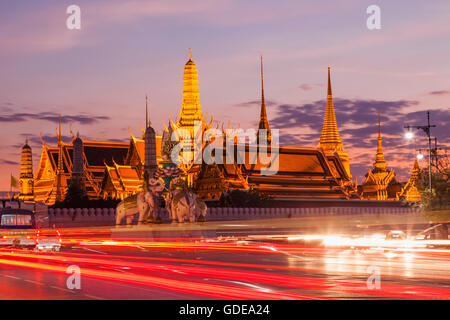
(239, 262)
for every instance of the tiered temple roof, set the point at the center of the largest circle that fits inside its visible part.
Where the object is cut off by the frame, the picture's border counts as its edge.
(409, 191)
(105, 163)
(381, 182)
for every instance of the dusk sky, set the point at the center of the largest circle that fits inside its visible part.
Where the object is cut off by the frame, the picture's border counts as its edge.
(97, 77)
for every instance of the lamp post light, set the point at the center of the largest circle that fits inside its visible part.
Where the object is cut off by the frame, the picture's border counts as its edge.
(409, 135)
(419, 156)
(427, 130)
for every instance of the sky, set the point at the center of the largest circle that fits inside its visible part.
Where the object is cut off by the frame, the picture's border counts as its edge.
(97, 77)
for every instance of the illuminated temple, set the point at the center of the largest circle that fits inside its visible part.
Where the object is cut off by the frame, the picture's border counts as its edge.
(381, 182)
(116, 169)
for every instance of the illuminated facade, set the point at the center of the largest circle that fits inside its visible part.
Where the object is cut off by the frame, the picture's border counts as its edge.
(381, 182)
(409, 191)
(190, 105)
(303, 173)
(116, 169)
(26, 181)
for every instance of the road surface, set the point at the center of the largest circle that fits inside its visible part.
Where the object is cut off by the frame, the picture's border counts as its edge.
(306, 258)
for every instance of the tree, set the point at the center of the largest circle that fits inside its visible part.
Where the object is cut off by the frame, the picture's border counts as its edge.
(439, 197)
(243, 199)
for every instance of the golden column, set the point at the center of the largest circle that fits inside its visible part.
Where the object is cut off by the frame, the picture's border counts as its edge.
(26, 181)
(190, 111)
(190, 106)
(330, 140)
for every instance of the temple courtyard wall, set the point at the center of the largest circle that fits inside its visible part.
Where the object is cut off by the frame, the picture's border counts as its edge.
(106, 216)
(85, 217)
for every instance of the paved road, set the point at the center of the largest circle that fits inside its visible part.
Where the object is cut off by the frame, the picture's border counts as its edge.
(273, 259)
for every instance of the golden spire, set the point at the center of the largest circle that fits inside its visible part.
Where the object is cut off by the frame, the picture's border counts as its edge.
(59, 132)
(59, 193)
(190, 54)
(329, 139)
(190, 106)
(415, 170)
(146, 111)
(380, 163)
(263, 122)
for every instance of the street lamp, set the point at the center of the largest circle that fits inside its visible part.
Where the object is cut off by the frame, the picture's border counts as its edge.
(409, 135)
(427, 130)
(419, 156)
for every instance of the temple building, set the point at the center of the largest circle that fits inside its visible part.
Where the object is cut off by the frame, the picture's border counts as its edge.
(26, 181)
(409, 191)
(381, 182)
(116, 170)
(301, 172)
(108, 169)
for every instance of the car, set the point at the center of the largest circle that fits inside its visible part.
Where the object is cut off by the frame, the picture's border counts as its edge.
(395, 235)
(437, 231)
(48, 240)
(18, 229)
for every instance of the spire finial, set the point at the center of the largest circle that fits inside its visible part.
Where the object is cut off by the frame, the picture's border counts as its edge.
(379, 125)
(262, 81)
(380, 162)
(329, 82)
(146, 111)
(26, 140)
(263, 121)
(190, 54)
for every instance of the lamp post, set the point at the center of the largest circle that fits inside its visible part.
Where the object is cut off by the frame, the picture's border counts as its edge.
(427, 130)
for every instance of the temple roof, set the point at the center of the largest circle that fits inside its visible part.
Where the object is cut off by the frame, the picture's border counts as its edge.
(297, 173)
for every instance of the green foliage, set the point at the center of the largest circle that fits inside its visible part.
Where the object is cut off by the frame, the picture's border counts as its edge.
(243, 199)
(439, 197)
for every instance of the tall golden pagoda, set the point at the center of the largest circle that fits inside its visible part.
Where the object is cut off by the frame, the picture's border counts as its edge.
(26, 181)
(330, 141)
(190, 106)
(263, 121)
(380, 183)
